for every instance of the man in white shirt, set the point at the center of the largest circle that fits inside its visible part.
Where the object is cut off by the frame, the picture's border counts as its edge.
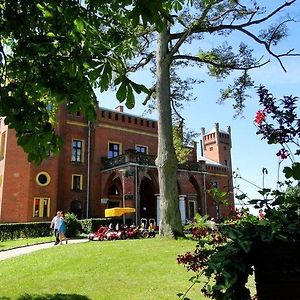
(54, 224)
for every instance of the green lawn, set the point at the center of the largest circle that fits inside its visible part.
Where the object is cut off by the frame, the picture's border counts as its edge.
(130, 269)
(10, 244)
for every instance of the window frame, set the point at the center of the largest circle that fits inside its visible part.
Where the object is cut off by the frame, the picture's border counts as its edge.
(80, 182)
(47, 176)
(141, 146)
(77, 150)
(41, 207)
(119, 149)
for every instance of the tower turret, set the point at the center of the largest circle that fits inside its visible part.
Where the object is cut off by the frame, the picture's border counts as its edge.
(217, 145)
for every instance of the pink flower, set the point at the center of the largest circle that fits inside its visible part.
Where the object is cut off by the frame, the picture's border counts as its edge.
(260, 117)
(282, 153)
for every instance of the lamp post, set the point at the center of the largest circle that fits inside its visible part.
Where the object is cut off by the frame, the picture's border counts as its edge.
(123, 172)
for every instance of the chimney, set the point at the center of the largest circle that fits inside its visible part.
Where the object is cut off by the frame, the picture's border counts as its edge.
(120, 108)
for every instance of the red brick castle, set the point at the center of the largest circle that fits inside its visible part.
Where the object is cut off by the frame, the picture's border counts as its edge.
(108, 163)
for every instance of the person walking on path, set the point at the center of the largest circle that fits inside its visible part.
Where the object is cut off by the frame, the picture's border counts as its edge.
(54, 224)
(62, 226)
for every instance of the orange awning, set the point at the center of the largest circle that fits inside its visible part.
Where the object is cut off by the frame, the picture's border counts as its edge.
(118, 211)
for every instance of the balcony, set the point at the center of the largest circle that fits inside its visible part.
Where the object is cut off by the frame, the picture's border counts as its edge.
(130, 157)
(193, 166)
(141, 159)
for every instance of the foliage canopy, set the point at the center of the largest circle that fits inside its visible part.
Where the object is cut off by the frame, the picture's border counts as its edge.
(52, 54)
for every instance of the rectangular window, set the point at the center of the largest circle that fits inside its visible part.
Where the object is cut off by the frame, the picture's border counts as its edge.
(41, 207)
(77, 151)
(113, 149)
(141, 149)
(76, 182)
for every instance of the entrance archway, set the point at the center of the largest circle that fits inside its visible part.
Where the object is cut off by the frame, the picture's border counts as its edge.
(147, 199)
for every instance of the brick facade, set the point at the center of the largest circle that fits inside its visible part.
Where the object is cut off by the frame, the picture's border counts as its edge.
(99, 167)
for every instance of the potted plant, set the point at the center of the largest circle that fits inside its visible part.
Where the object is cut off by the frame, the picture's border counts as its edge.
(269, 246)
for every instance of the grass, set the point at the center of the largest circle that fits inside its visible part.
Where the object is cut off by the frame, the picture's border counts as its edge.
(131, 269)
(10, 244)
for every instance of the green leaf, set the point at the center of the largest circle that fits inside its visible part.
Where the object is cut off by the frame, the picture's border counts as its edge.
(105, 77)
(138, 88)
(254, 201)
(50, 34)
(177, 6)
(40, 7)
(288, 172)
(79, 25)
(121, 93)
(293, 172)
(233, 234)
(264, 191)
(130, 101)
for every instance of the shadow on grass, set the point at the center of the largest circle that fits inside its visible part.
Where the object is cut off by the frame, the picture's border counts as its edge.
(49, 297)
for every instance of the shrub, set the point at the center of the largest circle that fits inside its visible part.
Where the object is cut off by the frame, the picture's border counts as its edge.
(73, 225)
(24, 230)
(91, 225)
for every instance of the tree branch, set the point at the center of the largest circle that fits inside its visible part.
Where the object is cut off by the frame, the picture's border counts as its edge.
(143, 62)
(274, 12)
(176, 112)
(152, 90)
(198, 28)
(188, 32)
(213, 63)
(268, 48)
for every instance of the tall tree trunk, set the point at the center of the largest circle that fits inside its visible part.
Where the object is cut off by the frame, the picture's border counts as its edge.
(170, 221)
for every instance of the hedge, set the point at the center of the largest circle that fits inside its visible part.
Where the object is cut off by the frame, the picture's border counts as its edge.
(75, 228)
(24, 230)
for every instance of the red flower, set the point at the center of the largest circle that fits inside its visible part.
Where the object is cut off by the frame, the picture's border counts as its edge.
(282, 153)
(260, 117)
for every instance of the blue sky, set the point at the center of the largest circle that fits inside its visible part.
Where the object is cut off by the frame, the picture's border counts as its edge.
(250, 154)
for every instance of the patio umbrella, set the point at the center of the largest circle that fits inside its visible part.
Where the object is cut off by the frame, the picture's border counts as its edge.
(118, 211)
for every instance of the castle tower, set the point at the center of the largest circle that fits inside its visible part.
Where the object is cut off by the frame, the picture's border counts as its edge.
(217, 145)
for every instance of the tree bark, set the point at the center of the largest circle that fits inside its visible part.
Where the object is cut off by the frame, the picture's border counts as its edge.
(170, 221)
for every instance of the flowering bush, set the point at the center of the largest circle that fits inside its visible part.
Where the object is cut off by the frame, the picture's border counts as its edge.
(226, 258)
(221, 256)
(284, 129)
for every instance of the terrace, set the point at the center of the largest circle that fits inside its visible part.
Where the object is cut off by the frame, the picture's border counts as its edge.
(141, 159)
